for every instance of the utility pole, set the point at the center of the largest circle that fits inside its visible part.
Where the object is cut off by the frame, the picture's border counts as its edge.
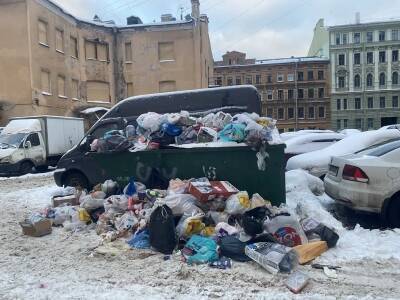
(181, 8)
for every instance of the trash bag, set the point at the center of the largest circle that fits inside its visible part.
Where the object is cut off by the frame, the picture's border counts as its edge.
(162, 138)
(126, 222)
(238, 203)
(140, 240)
(207, 135)
(171, 129)
(90, 203)
(149, 121)
(117, 203)
(177, 186)
(253, 220)
(204, 249)
(181, 204)
(233, 133)
(162, 230)
(109, 187)
(224, 229)
(189, 226)
(233, 248)
(130, 189)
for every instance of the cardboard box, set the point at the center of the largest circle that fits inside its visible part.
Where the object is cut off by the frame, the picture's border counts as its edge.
(204, 191)
(38, 229)
(71, 200)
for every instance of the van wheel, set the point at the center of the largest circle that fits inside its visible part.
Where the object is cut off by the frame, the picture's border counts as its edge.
(76, 179)
(26, 168)
(393, 212)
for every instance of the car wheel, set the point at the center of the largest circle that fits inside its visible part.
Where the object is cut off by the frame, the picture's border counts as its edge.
(76, 179)
(393, 213)
(26, 167)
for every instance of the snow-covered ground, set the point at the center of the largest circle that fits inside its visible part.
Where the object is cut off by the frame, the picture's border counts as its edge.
(67, 265)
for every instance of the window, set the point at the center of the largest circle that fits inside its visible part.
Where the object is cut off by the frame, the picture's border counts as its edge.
(395, 55)
(320, 75)
(230, 81)
(321, 93)
(166, 51)
(258, 79)
(382, 102)
(269, 79)
(290, 94)
(395, 78)
(167, 86)
(370, 57)
(311, 112)
(321, 112)
(358, 124)
(369, 80)
(249, 80)
(341, 81)
(311, 93)
(33, 139)
(382, 56)
(338, 124)
(102, 52)
(357, 103)
(60, 40)
(90, 50)
(61, 86)
(370, 37)
(269, 94)
(280, 94)
(382, 79)
(270, 112)
(74, 47)
(230, 61)
(370, 101)
(300, 76)
(281, 114)
(300, 94)
(279, 78)
(337, 39)
(344, 104)
(357, 38)
(341, 59)
(395, 101)
(128, 52)
(43, 35)
(345, 123)
(338, 104)
(75, 89)
(98, 91)
(357, 58)
(238, 80)
(310, 75)
(290, 113)
(395, 35)
(381, 36)
(45, 82)
(300, 112)
(370, 123)
(218, 81)
(357, 81)
(344, 38)
(290, 77)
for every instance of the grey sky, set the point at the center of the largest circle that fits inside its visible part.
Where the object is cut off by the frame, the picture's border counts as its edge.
(261, 28)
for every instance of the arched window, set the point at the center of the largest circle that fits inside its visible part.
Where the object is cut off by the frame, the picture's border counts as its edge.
(357, 82)
(369, 80)
(395, 78)
(382, 79)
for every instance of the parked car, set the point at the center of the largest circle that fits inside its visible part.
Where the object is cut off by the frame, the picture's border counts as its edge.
(316, 162)
(311, 142)
(368, 180)
(37, 142)
(394, 126)
(289, 135)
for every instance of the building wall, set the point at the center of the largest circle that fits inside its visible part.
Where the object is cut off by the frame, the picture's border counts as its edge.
(320, 42)
(275, 93)
(351, 104)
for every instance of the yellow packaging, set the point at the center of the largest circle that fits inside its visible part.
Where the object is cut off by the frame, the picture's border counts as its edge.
(83, 215)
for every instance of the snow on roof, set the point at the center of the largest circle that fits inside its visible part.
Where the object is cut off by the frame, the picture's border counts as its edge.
(289, 135)
(22, 126)
(312, 141)
(92, 110)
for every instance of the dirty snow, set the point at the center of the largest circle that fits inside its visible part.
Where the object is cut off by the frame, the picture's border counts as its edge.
(75, 266)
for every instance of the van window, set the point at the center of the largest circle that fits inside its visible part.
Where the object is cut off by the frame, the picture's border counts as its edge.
(34, 139)
(100, 131)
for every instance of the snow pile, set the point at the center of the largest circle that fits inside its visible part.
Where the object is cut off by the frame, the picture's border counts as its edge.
(351, 144)
(304, 195)
(311, 142)
(29, 176)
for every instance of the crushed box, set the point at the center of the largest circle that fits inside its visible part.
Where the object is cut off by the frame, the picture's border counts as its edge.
(40, 228)
(71, 200)
(206, 191)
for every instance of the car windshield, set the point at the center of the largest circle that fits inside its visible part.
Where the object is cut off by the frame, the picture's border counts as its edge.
(376, 145)
(384, 149)
(11, 140)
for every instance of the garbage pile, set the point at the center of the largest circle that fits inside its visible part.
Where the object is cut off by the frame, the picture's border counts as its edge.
(155, 131)
(209, 222)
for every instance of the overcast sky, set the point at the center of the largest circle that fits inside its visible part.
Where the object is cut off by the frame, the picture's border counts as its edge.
(261, 28)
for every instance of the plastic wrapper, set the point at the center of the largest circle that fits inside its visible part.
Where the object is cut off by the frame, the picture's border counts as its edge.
(207, 135)
(109, 187)
(218, 217)
(177, 186)
(90, 203)
(118, 203)
(181, 204)
(190, 225)
(223, 229)
(297, 281)
(238, 203)
(149, 121)
(126, 222)
(233, 132)
(258, 201)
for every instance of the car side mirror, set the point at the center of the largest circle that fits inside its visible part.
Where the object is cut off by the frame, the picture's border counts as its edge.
(28, 145)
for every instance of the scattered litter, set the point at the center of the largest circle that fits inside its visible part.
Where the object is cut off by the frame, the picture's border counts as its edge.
(330, 273)
(297, 281)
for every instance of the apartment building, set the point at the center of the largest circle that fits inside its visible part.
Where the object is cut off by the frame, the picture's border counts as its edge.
(52, 62)
(365, 74)
(295, 90)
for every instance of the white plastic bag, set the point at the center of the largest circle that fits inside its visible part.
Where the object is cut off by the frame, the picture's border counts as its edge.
(230, 230)
(127, 221)
(181, 204)
(188, 226)
(118, 203)
(149, 121)
(238, 203)
(177, 186)
(218, 217)
(90, 203)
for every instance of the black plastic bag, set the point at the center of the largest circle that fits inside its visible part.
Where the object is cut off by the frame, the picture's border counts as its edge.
(233, 248)
(162, 230)
(326, 234)
(253, 220)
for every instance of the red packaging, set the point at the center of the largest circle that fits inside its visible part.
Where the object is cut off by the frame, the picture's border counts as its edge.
(214, 189)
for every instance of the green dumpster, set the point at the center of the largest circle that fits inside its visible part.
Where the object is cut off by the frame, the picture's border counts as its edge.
(237, 165)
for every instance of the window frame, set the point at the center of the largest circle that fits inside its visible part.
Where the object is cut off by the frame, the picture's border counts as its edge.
(46, 24)
(319, 112)
(61, 95)
(357, 103)
(61, 51)
(76, 50)
(128, 59)
(313, 114)
(49, 92)
(370, 102)
(298, 112)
